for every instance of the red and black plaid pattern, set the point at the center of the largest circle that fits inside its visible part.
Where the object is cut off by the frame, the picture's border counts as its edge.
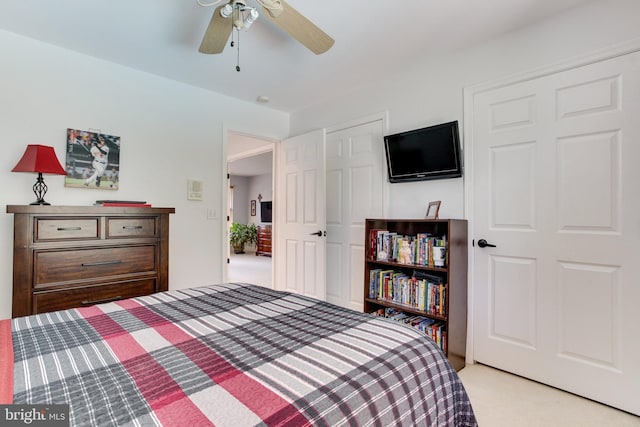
(236, 355)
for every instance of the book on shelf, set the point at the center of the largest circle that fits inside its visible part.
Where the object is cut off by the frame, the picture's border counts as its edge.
(421, 291)
(390, 246)
(373, 242)
(434, 329)
(123, 203)
(385, 245)
(133, 202)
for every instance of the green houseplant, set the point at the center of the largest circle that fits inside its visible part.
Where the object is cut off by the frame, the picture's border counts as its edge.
(241, 234)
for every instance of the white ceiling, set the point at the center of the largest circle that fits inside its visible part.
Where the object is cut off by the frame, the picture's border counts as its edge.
(259, 164)
(373, 39)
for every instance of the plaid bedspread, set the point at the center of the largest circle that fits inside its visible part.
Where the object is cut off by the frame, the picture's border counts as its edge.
(233, 355)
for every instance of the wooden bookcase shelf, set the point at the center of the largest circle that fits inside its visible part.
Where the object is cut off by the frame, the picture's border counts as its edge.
(406, 308)
(453, 276)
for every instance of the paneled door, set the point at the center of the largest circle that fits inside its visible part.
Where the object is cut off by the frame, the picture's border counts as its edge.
(354, 165)
(555, 189)
(300, 215)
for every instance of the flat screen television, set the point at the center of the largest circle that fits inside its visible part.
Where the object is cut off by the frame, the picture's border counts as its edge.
(429, 153)
(265, 211)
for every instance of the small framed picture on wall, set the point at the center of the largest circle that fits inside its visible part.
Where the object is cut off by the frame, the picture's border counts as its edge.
(253, 208)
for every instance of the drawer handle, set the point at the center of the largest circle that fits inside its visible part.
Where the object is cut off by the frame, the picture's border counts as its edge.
(69, 228)
(131, 227)
(94, 264)
(101, 301)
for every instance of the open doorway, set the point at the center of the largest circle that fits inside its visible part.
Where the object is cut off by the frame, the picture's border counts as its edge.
(251, 189)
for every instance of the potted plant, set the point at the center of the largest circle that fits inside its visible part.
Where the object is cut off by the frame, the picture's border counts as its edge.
(241, 234)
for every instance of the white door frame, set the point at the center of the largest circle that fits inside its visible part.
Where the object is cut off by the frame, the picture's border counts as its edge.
(468, 97)
(224, 228)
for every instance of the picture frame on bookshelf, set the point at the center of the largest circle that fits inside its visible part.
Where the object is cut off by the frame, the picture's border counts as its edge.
(432, 210)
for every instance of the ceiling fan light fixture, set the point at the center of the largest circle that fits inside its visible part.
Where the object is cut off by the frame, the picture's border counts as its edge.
(250, 18)
(226, 11)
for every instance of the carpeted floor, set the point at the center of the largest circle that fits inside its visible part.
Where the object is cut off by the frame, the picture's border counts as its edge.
(249, 268)
(501, 399)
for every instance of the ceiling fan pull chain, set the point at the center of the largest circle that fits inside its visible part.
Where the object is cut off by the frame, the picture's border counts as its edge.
(238, 57)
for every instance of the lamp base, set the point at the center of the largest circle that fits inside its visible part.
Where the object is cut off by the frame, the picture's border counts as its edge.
(40, 189)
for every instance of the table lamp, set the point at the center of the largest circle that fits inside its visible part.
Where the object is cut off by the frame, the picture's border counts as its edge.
(40, 159)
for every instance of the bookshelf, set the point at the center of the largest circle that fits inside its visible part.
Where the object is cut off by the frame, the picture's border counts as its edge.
(438, 294)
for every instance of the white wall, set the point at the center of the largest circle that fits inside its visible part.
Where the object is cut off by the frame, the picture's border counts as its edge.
(241, 208)
(169, 132)
(432, 92)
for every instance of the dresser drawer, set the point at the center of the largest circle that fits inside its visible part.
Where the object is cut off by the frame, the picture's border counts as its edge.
(66, 229)
(131, 227)
(67, 265)
(90, 295)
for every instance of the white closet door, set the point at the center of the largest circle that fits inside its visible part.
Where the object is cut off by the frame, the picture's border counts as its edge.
(355, 178)
(555, 188)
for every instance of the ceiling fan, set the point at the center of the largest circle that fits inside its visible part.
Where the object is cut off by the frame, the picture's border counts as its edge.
(237, 14)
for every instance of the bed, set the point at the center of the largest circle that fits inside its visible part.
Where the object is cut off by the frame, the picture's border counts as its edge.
(229, 355)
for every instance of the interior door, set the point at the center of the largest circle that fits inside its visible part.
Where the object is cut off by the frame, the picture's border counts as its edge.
(229, 215)
(555, 190)
(300, 214)
(354, 157)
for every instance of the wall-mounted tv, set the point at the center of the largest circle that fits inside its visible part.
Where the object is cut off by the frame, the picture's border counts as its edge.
(265, 211)
(429, 153)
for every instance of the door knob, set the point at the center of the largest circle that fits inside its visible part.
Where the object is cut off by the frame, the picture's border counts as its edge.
(483, 244)
(317, 233)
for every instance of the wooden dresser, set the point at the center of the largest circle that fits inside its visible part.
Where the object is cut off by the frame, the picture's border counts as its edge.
(74, 256)
(264, 240)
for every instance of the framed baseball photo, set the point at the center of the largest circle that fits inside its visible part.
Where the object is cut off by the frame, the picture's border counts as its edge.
(93, 160)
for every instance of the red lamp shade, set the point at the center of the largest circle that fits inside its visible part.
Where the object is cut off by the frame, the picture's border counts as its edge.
(39, 158)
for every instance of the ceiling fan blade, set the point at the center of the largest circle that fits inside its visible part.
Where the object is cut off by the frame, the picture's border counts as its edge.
(300, 28)
(217, 34)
